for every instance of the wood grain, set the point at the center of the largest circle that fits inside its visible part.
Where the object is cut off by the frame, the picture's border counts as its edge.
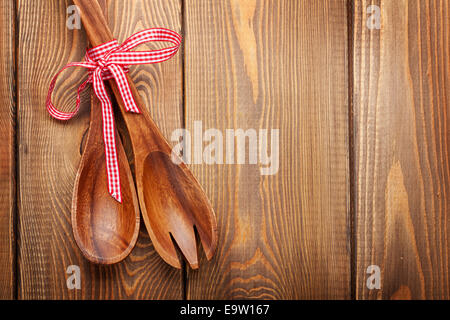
(49, 153)
(401, 102)
(7, 148)
(253, 64)
(273, 65)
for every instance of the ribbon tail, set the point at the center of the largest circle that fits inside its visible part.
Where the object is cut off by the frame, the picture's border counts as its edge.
(109, 138)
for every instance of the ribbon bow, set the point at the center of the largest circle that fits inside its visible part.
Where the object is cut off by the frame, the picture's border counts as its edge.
(110, 61)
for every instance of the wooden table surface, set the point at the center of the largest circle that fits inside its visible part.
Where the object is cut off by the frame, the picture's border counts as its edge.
(364, 172)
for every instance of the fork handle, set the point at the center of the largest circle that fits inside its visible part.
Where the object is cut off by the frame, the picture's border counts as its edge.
(98, 32)
(94, 21)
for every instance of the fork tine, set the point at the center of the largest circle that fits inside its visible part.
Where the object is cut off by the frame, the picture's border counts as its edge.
(185, 239)
(166, 249)
(208, 239)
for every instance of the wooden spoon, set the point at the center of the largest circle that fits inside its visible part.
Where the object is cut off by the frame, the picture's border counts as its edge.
(171, 199)
(104, 229)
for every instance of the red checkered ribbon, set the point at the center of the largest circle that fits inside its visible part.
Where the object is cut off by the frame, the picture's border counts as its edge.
(110, 61)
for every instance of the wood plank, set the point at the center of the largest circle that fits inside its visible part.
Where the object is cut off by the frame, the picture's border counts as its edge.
(273, 65)
(7, 149)
(49, 153)
(401, 77)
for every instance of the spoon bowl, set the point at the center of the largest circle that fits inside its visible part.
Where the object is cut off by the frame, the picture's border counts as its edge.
(104, 229)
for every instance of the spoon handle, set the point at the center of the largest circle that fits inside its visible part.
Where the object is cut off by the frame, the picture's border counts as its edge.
(98, 32)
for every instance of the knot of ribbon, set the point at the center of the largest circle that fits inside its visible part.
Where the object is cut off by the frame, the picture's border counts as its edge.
(110, 61)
